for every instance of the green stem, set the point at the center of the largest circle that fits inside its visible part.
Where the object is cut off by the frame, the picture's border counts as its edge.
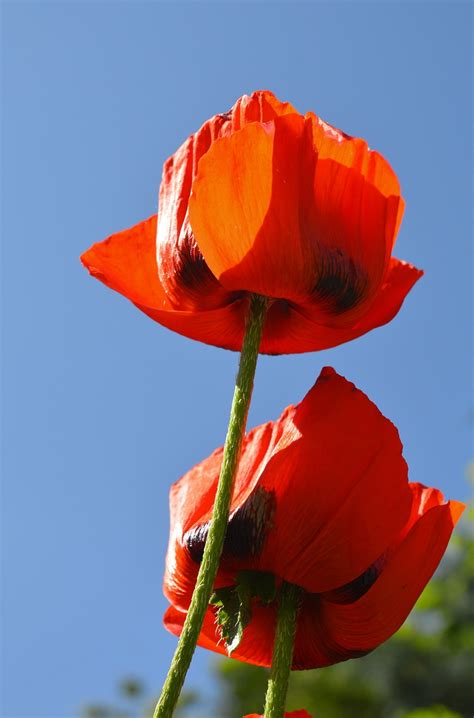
(282, 651)
(220, 515)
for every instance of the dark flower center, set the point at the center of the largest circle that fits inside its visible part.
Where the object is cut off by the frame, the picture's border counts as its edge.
(341, 283)
(352, 591)
(190, 267)
(246, 531)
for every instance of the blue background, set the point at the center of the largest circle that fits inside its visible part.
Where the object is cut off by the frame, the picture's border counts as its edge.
(104, 408)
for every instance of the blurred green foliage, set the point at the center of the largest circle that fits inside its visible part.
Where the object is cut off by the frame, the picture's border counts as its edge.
(425, 671)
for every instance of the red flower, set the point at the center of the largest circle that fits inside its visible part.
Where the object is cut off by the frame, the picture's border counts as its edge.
(321, 500)
(264, 200)
(294, 714)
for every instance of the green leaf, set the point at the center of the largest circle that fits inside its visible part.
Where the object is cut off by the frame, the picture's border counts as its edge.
(233, 614)
(234, 604)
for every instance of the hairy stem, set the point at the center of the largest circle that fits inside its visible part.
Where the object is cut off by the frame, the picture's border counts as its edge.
(220, 515)
(282, 651)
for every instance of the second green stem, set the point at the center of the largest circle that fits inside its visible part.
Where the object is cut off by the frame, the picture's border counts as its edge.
(220, 515)
(282, 658)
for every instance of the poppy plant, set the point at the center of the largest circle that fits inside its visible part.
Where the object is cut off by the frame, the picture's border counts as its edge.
(321, 501)
(263, 200)
(292, 714)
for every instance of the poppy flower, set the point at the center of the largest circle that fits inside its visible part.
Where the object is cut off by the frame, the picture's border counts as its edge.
(321, 500)
(293, 714)
(264, 200)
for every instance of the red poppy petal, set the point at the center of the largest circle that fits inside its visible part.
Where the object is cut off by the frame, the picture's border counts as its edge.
(354, 153)
(314, 647)
(231, 196)
(284, 237)
(246, 208)
(173, 621)
(221, 327)
(365, 624)
(126, 262)
(356, 213)
(341, 488)
(400, 279)
(183, 271)
(332, 143)
(257, 643)
(256, 647)
(191, 502)
(188, 498)
(424, 498)
(292, 329)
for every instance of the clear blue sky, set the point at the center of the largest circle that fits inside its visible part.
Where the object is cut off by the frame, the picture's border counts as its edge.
(104, 408)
